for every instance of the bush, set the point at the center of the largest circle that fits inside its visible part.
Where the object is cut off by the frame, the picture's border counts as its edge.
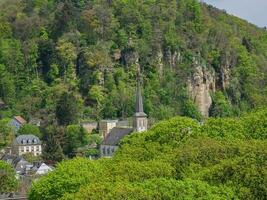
(223, 128)
(8, 181)
(255, 124)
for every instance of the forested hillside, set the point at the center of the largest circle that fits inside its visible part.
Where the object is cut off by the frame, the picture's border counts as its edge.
(85, 53)
(177, 159)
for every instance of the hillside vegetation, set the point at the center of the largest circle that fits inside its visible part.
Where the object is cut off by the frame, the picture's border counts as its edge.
(225, 158)
(86, 52)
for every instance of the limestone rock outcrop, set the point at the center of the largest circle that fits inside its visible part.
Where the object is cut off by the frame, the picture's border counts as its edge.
(200, 86)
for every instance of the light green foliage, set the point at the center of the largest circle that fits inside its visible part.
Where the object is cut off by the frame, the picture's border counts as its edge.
(175, 159)
(152, 189)
(68, 55)
(255, 124)
(173, 131)
(54, 185)
(224, 128)
(8, 181)
(6, 134)
(220, 106)
(28, 129)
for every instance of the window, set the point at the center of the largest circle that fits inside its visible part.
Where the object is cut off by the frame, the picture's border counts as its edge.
(27, 149)
(32, 148)
(104, 150)
(37, 148)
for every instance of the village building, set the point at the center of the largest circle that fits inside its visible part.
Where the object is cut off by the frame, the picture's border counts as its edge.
(27, 144)
(43, 169)
(115, 133)
(17, 122)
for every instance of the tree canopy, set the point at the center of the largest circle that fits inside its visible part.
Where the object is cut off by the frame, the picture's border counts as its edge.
(176, 159)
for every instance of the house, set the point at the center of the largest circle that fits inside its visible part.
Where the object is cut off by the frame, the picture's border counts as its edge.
(43, 169)
(27, 144)
(21, 165)
(114, 136)
(17, 122)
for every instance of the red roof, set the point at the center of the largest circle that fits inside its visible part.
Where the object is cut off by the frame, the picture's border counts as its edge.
(20, 119)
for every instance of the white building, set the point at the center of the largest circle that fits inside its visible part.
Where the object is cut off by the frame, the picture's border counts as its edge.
(27, 144)
(43, 169)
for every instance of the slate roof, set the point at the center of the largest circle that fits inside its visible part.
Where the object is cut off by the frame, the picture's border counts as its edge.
(20, 119)
(115, 135)
(27, 140)
(9, 158)
(13, 159)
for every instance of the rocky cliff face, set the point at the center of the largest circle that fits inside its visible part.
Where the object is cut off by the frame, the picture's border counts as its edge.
(200, 86)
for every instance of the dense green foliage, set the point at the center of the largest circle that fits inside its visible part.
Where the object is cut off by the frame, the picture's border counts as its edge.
(8, 181)
(176, 159)
(5, 133)
(27, 129)
(85, 52)
(69, 61)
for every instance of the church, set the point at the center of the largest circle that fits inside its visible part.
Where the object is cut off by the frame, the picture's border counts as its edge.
(140, 124)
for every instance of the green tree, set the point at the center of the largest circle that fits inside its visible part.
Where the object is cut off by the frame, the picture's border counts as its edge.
(67, 109)
(76, 136)
(52, 150)
(68, 55)
(28, 129)
(8, 181)
(7, 86)
(6, 134)
(220, 106)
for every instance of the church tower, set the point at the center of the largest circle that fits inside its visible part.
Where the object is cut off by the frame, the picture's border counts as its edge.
(139, 118)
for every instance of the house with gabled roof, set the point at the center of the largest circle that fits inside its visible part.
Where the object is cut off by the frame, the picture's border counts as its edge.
(27, 144)
(17, 122)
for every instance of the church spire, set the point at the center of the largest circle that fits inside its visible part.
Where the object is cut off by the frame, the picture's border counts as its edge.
(139, 100)
(140, 118)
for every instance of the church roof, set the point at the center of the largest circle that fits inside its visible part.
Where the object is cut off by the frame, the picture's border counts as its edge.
(115, 135)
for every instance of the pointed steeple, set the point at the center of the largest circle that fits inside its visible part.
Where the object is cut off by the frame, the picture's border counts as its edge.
(140, 118)
(139, 100)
